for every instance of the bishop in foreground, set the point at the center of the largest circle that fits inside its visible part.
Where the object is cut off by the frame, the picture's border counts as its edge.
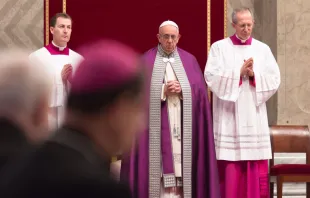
(104, 110)
(60, 61)
(242, 74)
(175, 155)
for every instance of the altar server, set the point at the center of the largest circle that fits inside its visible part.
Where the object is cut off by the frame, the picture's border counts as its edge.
(60, 62)
(242, 74)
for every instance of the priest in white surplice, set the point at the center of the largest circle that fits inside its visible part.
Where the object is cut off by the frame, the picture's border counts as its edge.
(242, 74)
(60, 62)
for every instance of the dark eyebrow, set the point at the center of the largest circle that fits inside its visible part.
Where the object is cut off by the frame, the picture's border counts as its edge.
(64, 25)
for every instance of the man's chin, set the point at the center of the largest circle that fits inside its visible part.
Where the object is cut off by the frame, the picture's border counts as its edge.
(245, 37)
(65, 40)
(169, 50)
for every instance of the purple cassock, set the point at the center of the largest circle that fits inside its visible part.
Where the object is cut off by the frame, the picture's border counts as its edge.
(151, 157)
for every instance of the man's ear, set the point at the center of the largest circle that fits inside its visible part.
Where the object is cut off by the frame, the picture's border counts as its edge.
(52, 30)
(158, 37)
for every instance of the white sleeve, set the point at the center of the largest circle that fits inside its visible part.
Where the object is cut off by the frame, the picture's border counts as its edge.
(267, 80)
(223, 82)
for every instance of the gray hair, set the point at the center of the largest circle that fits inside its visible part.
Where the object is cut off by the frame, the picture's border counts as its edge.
(238, 10)
(22, 83)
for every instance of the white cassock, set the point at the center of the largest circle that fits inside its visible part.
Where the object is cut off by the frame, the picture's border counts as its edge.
(241, 130)
(54, 58)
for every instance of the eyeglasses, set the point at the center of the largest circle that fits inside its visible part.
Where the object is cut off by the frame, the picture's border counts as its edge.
(168, 36)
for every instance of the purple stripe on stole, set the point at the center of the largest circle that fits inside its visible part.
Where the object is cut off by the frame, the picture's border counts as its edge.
(166, 146)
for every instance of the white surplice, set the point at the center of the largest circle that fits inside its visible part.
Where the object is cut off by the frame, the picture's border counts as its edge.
(241, 130)
(54, 64)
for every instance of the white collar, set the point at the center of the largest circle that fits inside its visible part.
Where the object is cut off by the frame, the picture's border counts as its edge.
(242, 41)
(60, 48)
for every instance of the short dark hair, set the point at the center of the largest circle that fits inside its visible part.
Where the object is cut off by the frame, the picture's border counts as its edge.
(59, 15)
(97, 102)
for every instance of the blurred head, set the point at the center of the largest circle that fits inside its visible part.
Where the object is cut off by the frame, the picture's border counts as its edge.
(61, 28)
(107, 96)
(168, 36)
(243, 22)
(24, 94)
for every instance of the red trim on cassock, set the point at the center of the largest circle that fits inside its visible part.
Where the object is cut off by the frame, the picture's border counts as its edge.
(252, 81)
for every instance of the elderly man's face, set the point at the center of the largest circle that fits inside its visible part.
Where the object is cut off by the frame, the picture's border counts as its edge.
(244, 25)
(168, 37)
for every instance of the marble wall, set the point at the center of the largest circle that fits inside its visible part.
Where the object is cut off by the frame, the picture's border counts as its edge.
(21, 24)
(294, 59)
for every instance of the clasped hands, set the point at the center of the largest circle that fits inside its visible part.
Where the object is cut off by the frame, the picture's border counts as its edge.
(66, 73)
(247, 68)
(173, 87)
